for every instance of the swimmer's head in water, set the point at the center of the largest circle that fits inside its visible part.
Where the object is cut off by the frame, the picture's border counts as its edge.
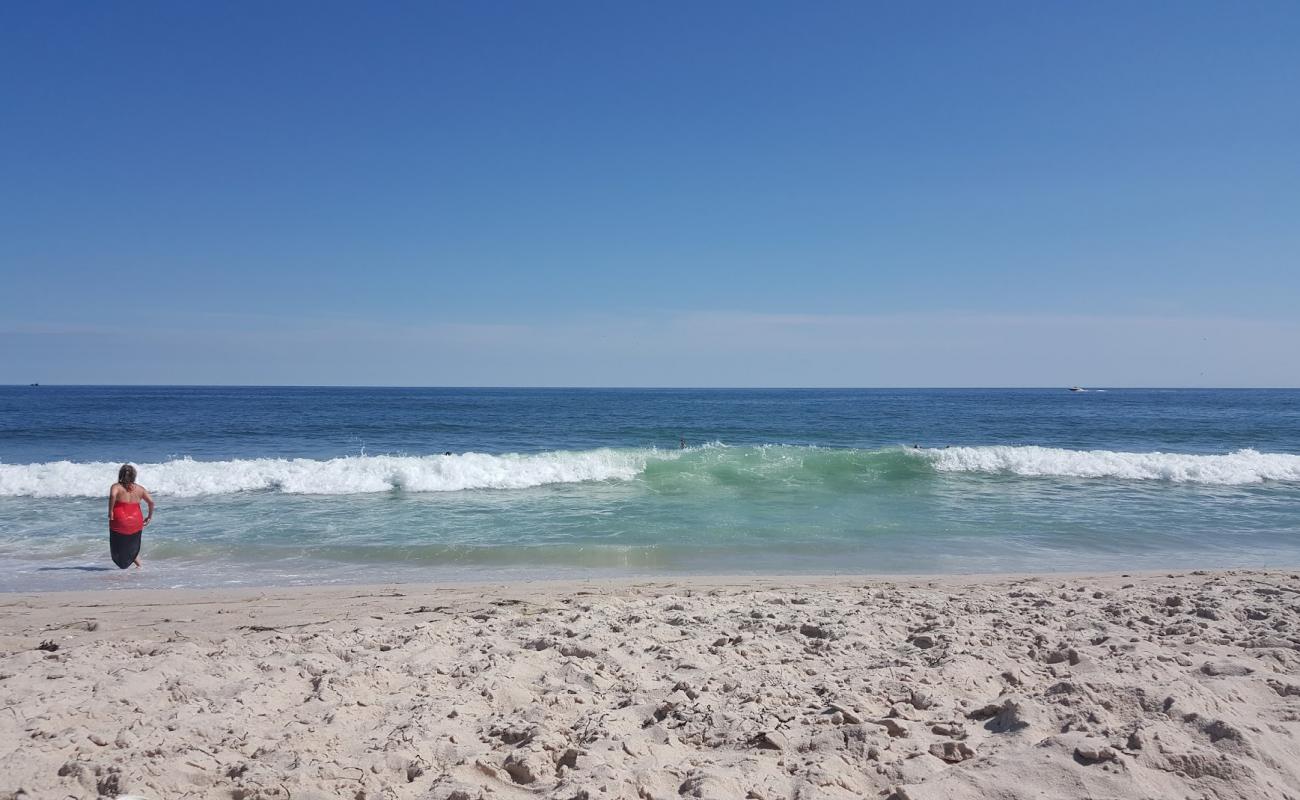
(126, 475)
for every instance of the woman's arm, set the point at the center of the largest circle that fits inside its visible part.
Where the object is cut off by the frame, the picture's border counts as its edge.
(112, 492)
(148, 500)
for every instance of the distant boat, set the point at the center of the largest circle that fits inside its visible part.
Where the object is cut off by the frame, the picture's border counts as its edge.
(33, 384)
(1077, 389)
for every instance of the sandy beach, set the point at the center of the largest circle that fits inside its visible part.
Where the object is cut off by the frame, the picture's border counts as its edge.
(1182, 685)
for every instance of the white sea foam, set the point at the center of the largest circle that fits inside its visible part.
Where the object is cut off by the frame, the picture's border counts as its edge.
(1230, 469)
(350, 475)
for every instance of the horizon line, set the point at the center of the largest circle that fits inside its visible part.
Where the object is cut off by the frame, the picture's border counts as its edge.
(664, 387)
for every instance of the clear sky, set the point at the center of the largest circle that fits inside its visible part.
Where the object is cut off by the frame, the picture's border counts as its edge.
(675, 193)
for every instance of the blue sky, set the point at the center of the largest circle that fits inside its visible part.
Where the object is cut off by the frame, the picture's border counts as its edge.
(751, 194)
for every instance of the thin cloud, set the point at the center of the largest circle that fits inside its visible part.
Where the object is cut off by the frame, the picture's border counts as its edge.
(720, 348)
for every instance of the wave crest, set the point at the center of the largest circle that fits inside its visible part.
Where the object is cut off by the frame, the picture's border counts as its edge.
(1230, 469)
(347, 475)
(758, 468)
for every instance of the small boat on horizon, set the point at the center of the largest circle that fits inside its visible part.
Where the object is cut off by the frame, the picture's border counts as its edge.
(1077, 389)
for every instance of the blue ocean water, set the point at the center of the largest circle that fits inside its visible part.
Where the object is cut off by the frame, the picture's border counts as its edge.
(315, 485)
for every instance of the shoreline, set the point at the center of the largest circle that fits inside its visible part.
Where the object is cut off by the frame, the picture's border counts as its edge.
(1140, 684)
(614, 583)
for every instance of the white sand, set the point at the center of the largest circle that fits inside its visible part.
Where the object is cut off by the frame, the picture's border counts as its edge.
(1109, 687)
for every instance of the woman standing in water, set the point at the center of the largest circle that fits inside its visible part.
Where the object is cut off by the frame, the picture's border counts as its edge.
(124, 522)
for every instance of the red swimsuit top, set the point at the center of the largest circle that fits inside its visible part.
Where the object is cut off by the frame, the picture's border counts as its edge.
(126, 518)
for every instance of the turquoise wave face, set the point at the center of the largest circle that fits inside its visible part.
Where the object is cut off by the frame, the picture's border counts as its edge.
(773, 468)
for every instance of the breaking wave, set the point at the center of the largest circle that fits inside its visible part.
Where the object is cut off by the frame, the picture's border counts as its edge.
(347, 475)
(668, 471)
(1230, 469)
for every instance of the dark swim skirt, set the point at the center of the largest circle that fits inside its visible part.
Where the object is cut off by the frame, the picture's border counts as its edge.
(124, 547)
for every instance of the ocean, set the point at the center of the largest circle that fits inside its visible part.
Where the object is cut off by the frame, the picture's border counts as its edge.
(290, 486)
